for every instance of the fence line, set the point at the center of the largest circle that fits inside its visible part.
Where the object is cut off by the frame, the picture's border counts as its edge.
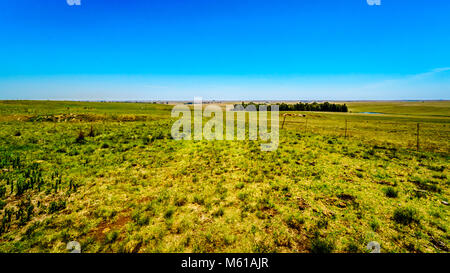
(422, 136)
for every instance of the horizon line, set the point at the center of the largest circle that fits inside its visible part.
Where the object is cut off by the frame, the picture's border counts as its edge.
(228, 100)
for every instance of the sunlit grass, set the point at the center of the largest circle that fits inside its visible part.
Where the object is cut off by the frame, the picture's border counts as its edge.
(129, 187)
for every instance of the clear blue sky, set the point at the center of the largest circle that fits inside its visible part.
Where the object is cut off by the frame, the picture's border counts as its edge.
(225, 49)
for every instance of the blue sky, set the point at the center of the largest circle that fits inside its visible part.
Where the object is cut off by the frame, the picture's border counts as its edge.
(224, 49)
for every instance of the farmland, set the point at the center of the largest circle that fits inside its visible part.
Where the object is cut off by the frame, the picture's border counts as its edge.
(109, 176)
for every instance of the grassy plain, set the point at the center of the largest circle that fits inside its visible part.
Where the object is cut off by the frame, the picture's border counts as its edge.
(123, 185)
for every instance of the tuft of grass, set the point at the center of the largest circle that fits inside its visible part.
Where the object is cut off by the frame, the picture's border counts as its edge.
(322, 246)
(169, 213)
(405, 216)
(391, 192)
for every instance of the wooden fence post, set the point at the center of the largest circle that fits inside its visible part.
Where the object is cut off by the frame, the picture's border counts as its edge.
(282, 126)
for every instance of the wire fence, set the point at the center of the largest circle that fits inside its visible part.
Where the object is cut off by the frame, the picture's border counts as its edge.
(422, 136)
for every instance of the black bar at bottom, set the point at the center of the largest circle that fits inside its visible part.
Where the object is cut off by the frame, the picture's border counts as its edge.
(226, 262)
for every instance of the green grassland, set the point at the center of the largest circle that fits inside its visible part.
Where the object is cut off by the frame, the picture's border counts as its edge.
(109, 176)
(416, 108)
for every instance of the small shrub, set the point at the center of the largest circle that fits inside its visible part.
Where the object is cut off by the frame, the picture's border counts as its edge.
(405, 216)
(391, 192)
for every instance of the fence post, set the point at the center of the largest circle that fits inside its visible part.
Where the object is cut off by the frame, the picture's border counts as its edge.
(282, 126)
(418, 130)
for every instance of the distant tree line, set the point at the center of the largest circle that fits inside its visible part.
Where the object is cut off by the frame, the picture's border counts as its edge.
(300, 106)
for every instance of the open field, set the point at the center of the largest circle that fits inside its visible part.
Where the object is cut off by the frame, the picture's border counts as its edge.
(124, 185)
(414, 108)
